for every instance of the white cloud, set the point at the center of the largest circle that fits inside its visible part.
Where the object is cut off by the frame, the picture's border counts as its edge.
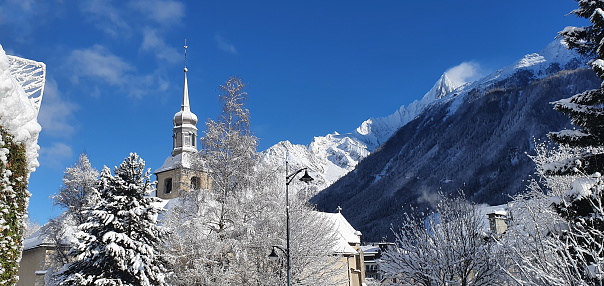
(222, 44)
(164, 12)
(98, 62)
(54, 155)
(153, 43)
(465, 72)
(97, 66)
(56, 113)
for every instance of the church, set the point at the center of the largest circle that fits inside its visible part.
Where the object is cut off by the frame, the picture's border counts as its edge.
(184, 169)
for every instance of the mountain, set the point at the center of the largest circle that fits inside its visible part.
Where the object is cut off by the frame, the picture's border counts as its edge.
(332, 156)
(472, 137)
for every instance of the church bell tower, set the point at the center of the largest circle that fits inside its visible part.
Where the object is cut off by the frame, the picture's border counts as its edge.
(184, 170)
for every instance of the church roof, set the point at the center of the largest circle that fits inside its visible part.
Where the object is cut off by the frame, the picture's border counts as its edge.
(183, 160)
(345, 233)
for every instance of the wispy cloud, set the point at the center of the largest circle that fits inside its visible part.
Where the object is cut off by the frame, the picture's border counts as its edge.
(466, 72)
(222, 44)
(164, 12)
(54, 156)
(98, 62)
(155, 44)
(106, 17)
(56, 113)
(101, 66)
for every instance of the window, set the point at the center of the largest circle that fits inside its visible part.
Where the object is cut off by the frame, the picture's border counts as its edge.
(167, 185)
(188, 139)
(195, 183)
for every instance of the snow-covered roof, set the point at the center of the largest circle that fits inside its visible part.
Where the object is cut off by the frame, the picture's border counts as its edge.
(370, 248)
(346, 234)
(184, 160)
(485, 210)
(39, 238)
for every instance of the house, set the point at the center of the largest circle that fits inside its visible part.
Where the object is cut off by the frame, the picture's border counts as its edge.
(38, 256)
(372, 252)
(348, 248)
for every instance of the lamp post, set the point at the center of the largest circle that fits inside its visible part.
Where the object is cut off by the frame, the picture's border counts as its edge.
(288, 179)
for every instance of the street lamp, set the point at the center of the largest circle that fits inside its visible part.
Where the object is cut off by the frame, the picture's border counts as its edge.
(288, 179)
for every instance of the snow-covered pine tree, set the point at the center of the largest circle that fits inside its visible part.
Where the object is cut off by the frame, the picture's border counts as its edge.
(118, 244)
(13, 206)
(586, 110)
(581, 206)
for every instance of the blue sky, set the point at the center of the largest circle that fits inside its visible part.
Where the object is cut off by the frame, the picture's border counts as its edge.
(114, 68)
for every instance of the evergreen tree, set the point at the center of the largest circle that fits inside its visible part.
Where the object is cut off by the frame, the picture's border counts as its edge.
(13, 205)
(118, 244)
(586, 110)
(581, 206)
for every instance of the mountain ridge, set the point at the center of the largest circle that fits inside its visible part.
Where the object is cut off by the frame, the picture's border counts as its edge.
(474, 138)
(334, 155)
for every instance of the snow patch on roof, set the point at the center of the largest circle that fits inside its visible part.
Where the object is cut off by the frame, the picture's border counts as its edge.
(182, 160)
(346, 234)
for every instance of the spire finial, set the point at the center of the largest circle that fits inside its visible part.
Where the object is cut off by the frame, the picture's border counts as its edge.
(186, 54)
(339, 209)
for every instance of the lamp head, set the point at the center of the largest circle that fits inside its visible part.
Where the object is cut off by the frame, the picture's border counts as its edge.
(306, 178)
(273, 256)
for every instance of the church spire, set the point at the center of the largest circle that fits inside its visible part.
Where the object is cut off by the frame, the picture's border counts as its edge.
(185, 131)
(185, 95)
(185, 92)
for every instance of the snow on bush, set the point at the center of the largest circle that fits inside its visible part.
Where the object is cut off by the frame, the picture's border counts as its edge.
(18, 157)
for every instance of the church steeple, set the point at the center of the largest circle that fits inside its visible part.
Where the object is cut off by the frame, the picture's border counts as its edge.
(181, 172)
(185, 131)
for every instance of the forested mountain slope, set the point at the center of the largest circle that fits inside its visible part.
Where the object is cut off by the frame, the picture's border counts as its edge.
(475, 139)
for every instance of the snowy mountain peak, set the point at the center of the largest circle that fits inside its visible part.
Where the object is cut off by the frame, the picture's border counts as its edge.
(557, 51)
(553, 58)
(442, 87)
(336, 154)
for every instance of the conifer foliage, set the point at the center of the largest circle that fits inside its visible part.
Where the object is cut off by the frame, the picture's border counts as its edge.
(13, 205)
(117, 245)
(586, 110)
(581, 206)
